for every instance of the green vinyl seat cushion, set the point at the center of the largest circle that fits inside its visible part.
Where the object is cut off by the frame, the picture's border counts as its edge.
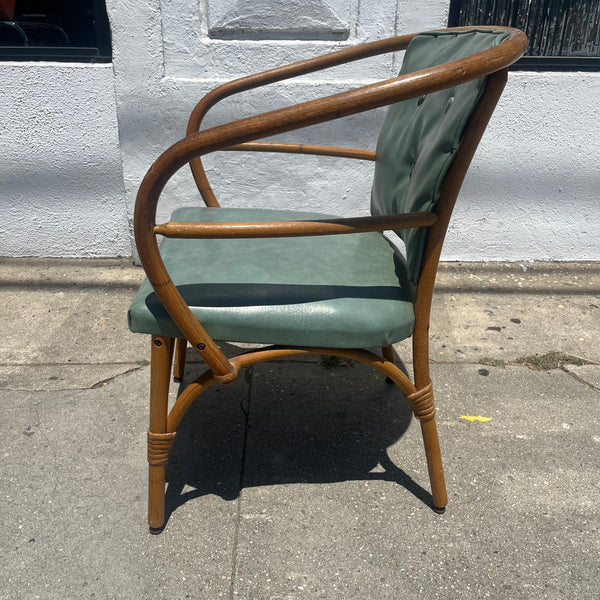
(342, 291)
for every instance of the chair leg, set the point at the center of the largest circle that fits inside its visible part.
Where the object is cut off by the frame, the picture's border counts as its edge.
(434, 465)
(424, 410)
(159, 440)
(179, 363)
(389, 354)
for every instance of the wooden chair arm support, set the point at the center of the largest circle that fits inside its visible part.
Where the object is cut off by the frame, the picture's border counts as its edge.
(357, 153)
(275, 229)
(289, 71)
(273, 76)
(518, 39)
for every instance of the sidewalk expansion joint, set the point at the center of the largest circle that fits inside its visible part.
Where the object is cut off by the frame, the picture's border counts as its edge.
(245, 408)
(141, 363)
(546, 361)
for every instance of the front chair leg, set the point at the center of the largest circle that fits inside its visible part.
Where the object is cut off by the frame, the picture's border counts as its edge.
(159, 440)
(424, 409)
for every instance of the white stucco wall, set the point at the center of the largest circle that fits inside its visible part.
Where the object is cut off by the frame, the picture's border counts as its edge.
(532, 192)
(61, 186)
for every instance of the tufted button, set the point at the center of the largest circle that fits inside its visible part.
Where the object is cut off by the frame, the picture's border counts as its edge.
(449, 104)
(420, 100)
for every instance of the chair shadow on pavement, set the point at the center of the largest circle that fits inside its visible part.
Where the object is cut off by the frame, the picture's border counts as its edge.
(284, 423)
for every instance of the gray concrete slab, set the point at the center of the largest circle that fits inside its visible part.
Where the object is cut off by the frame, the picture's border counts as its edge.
(302, 480)
(66, 319)
(74, 497)
(500, 311)
(339, 513)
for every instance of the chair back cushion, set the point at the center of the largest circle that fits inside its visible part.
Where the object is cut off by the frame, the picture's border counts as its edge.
(420, 137)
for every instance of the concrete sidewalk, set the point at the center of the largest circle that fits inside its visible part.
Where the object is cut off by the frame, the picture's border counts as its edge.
(303, 480)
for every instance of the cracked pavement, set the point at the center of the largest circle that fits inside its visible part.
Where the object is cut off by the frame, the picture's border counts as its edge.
(303, 479)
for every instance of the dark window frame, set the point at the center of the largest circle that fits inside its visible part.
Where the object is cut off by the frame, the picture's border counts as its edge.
(98, 48)
(529, 62)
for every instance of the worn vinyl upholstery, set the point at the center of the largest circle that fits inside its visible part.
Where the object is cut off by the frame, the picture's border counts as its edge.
(420, 137)
(342, 291)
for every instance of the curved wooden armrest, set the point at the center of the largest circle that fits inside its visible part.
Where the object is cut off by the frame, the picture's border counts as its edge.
(282, 73)
(272, 229)
(329, 108)
(341, 152)
(296, 69)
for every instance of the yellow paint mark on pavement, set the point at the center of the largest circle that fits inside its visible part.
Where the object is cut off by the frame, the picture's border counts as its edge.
(470, 418)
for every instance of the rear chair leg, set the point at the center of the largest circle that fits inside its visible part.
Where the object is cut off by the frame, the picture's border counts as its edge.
(389, 354)
(159, 440)
(179, 364)
(423, 407)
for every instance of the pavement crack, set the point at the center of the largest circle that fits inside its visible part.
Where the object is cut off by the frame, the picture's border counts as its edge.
(546, 361)
(245, 408)
(104, 382)
(581, 380)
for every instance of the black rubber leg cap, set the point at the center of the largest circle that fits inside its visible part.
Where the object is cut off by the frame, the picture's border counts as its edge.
(156, 530)
(438, 510)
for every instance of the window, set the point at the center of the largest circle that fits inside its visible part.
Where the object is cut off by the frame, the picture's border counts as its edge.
(563, 34)
(62, 30)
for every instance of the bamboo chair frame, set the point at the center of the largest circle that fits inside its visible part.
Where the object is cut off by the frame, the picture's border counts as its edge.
(241, 135)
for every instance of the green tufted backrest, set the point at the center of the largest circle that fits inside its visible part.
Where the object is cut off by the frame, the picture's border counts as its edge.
(420, 137)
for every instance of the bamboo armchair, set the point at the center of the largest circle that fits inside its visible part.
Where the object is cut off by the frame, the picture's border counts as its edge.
(309, 295)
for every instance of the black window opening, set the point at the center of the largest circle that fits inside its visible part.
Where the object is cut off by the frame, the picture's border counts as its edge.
(564, 35)
(61, 30)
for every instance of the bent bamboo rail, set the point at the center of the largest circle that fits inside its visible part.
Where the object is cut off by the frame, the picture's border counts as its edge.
(271, 229)
(314, 149)
(201, 383)
(274, 122)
